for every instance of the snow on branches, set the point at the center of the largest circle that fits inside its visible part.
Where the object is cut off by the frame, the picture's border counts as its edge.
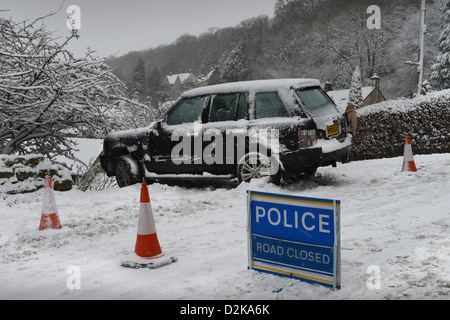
(441, 68)
(46, 93)
(355, 94)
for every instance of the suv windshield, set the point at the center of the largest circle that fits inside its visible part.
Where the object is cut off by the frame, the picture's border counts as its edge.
(318, 103)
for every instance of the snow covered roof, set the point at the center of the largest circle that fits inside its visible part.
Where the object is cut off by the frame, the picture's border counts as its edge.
(340, 97)
(203, 78)
(173, 77)
(256, 85)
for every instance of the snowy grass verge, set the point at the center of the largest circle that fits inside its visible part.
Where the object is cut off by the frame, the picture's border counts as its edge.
(395, 220)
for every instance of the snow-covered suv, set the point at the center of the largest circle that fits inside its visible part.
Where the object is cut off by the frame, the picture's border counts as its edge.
(284, 129)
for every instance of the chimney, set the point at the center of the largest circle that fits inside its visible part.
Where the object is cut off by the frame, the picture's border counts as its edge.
(375, 81)
(376, 84)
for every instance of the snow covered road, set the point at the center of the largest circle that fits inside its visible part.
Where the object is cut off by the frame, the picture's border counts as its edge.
(395, 221)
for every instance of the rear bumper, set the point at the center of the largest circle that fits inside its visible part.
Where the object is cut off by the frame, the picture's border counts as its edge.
(301, 160)
(326, 153)
(331, 158)
(335, 151)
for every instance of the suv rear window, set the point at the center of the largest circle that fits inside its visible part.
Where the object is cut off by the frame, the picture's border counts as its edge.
(317, 102)
(186, 111)
(269, 105)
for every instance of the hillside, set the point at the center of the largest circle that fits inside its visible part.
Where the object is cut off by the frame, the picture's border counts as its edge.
(323, 39)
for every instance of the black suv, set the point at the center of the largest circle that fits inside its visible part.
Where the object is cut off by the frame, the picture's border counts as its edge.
(283, 128)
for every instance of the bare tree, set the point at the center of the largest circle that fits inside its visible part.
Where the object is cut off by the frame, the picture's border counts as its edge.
(348, 41)
(441, 67)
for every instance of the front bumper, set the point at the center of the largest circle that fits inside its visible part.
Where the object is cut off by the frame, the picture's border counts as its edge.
(104, 164)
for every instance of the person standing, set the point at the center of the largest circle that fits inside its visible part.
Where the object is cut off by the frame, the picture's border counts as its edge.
(350, 115)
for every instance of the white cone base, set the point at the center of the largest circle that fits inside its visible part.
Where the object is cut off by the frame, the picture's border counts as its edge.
(134, 261)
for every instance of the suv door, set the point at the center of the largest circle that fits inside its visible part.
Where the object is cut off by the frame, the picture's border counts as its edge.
(176, 131)
(225, 132)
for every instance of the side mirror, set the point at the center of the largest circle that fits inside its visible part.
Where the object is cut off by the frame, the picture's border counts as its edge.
(158, 125)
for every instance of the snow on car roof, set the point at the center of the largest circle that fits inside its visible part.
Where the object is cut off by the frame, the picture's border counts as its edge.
(255, 85)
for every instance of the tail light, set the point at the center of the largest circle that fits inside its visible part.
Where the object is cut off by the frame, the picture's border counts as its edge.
(307, 138)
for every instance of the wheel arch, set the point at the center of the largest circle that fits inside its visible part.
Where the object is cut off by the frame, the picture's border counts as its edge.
(256, 154)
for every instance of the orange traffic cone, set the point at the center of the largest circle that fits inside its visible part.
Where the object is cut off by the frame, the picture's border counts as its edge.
(148, 253)
(408, 158)
(147, 244)
(49, 213)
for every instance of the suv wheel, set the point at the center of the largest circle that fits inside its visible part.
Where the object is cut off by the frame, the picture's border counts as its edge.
(127, 172)
(256, 166)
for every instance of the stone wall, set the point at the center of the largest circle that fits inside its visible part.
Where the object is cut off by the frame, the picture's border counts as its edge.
(24, 174)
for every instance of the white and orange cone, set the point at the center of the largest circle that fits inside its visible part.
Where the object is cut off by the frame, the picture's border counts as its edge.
(147, 253)
(49, 212)
(408, 158)
(147, 244)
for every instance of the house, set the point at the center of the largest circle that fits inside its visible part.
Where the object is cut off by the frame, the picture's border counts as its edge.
(371, 94)
(174, 84)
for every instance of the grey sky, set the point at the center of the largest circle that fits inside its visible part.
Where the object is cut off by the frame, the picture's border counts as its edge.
(118, 26)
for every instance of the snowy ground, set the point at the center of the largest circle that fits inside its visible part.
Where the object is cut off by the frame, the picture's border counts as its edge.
(397, 221)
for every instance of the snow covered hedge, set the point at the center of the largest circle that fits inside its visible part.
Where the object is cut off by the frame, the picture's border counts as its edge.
(24, 174)
(382, 127)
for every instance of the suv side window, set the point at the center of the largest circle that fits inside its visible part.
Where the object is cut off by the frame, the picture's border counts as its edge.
(223, 107)
(269, 105)
(186, 111)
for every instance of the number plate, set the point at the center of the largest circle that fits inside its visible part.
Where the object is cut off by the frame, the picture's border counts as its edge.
(332, 130)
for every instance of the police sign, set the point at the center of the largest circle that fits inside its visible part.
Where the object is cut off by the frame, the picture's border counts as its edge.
(295, 237)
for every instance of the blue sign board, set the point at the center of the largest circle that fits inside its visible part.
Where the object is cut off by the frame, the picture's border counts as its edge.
(294, 236)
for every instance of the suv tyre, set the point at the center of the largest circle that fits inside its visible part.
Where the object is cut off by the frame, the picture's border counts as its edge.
(128, 172)
(256, 166)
